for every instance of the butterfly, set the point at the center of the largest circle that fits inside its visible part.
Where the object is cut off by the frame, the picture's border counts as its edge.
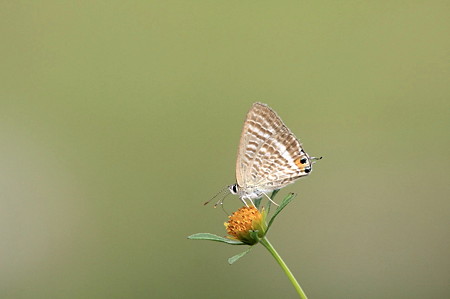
(269, 156)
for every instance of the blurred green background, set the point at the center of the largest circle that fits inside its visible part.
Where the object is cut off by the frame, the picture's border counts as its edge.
(119, 119)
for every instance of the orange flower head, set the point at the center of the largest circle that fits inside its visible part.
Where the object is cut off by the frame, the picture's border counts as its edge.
(247, 225)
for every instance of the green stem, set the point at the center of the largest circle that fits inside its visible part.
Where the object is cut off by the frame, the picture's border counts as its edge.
(285, 268)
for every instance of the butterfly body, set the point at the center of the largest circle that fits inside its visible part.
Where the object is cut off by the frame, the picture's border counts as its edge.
(249, 192)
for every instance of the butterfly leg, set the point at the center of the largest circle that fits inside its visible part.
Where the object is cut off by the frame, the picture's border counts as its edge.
(270, 199)
(243, 200)
(246, 197)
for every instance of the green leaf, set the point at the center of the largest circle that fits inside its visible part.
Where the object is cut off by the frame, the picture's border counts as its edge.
(258, 202)
(212, 237)
(283, 204)
(235, 258)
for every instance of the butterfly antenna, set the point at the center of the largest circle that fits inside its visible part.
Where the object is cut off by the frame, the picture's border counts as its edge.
(220, 201)
(218, 193)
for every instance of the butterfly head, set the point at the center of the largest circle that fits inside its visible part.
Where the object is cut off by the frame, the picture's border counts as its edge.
(233, 189)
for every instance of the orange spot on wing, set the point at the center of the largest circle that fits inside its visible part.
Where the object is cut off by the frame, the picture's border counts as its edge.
(299, 164)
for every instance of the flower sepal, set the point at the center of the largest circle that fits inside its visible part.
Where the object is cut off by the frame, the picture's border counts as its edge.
(250, 237)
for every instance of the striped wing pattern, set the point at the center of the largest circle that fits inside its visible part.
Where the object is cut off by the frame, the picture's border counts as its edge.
(269, 156)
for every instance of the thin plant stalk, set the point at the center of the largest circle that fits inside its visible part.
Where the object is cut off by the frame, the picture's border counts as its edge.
(283, 265)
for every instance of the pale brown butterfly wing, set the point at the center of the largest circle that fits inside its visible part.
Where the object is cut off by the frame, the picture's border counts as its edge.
(269, 154)
(284, 162)
(260, 124)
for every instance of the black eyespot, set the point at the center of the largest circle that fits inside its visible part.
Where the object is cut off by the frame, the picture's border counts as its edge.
(303, 161)
(307, 170)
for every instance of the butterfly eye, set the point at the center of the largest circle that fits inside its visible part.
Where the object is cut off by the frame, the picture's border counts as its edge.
(307, 170)
(303, 161)
(234, 188)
